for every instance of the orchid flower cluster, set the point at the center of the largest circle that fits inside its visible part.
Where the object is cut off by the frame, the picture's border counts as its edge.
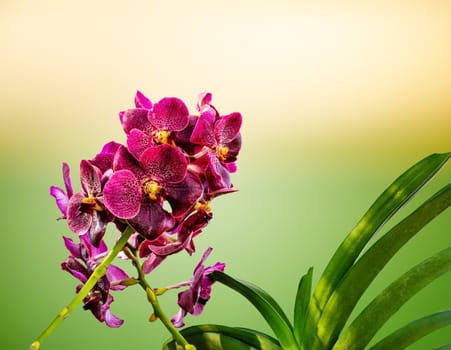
(159, 186)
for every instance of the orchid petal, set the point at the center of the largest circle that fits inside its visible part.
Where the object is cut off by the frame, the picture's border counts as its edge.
(142, 101)
(228, 127)
(203, 133)
(79, 215)
(122, 194)
(61, 198)
(164, 163)
(135, 118)
(170, 113)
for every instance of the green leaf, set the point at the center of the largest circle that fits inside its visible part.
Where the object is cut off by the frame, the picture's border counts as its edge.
(217, 337)
(265, 304)
(371, 319)
(301, 304)
(386, 205)
(414, 331)
(363, 272)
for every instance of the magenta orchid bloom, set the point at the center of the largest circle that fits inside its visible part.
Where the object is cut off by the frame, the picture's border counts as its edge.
(81, 263)
(197, 295)
(136, 190)
(86, 211)
(220, 136)
(151, 125)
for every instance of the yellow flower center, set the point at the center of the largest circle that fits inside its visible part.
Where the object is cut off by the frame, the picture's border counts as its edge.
(152, 189)
(221, 152)
(161, 136)
(91, 200)
(203, 204)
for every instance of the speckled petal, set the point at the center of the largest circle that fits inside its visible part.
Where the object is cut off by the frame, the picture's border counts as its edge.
(79, 216)
(164, 163)
(170, 113)
(203, 133)
(135, 118)
(122, 194)
(90, 177)
(228, 127)
(138, 142)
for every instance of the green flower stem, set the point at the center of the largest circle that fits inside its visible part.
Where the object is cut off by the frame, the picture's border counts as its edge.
(90, 283)
(158, 311)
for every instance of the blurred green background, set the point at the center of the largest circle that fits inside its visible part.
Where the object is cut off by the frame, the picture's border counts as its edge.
(337, 101)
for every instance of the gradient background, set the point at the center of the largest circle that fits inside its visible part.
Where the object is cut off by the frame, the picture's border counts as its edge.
(338, 99)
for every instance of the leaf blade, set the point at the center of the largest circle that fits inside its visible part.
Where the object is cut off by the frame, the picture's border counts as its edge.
(385, 206)
(362, 273)
(301, 304)
(414, 331)
(265, 304)
(215, 337)
(388, 302)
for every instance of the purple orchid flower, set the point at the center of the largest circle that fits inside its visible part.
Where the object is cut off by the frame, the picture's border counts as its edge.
(220, 136)
(62, 197)
(81, 263)
(150, 125)
(86, 211)
(197, 295)
(136, 191)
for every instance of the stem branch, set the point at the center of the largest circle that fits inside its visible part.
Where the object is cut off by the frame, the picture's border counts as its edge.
(158, 311)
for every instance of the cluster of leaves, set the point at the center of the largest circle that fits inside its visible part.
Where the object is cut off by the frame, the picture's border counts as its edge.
(320, 315)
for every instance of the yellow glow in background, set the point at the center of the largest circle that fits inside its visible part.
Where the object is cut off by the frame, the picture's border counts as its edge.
(338, 99)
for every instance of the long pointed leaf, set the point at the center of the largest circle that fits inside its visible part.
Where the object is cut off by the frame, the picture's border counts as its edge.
(363, 272)
(266, 305)
(301, 304)
(371, 319)
(386, 205)
(414, 331)
(217, 337)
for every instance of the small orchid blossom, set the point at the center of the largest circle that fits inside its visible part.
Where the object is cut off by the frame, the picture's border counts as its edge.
(197, 295)
(81, 263)
(136, 190)
(151, 125)
(86, 211)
